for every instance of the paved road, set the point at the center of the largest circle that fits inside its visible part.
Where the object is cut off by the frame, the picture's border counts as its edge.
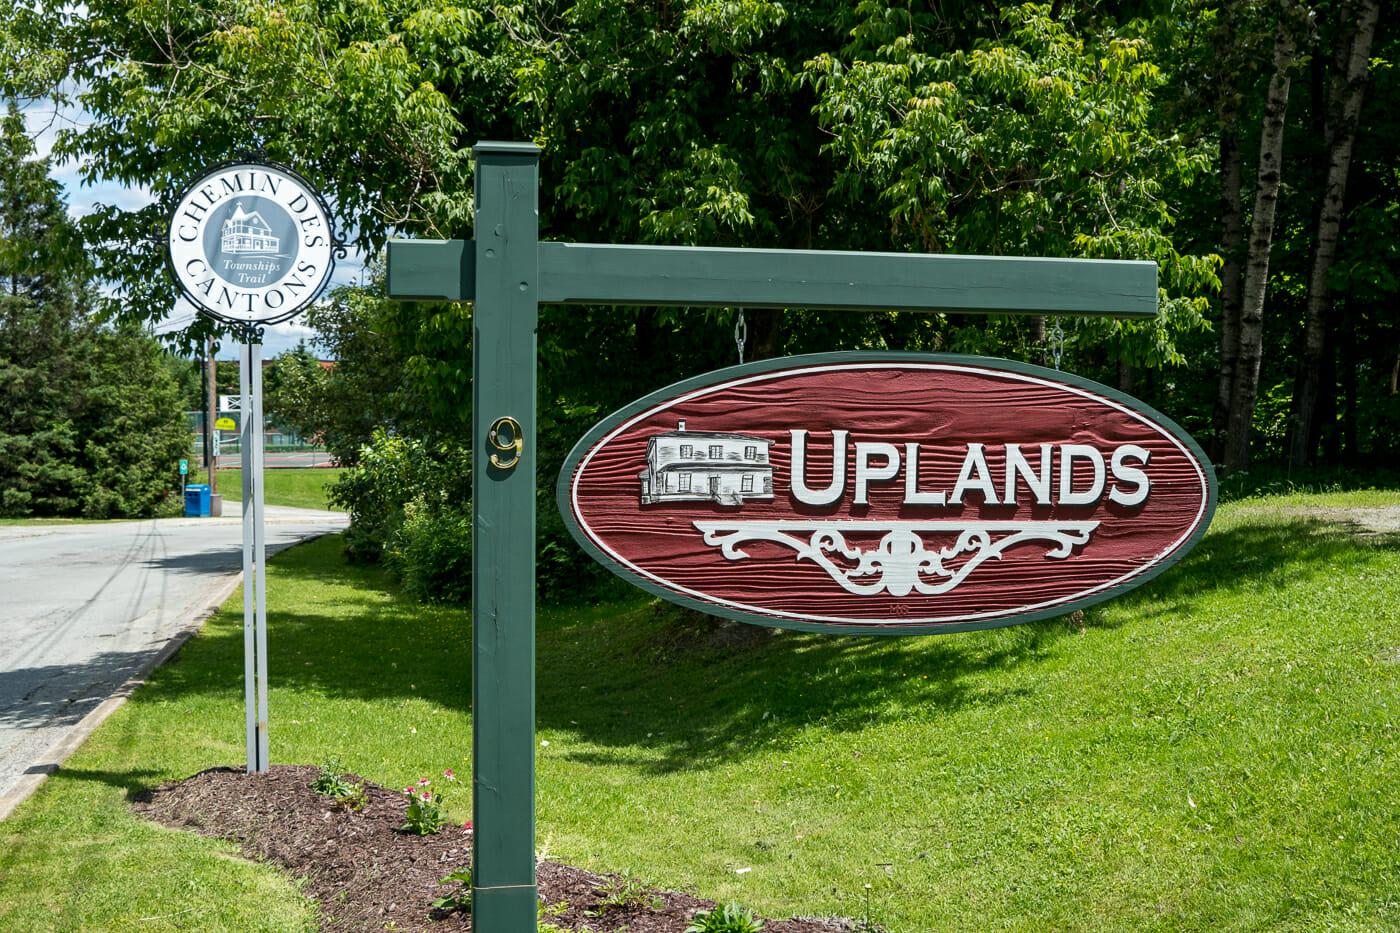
(85, 608)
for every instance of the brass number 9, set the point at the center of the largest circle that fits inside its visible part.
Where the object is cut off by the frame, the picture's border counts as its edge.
(508, 438)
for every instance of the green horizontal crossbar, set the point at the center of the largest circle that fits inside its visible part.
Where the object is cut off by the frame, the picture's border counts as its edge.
(432, 270)
(678, 276)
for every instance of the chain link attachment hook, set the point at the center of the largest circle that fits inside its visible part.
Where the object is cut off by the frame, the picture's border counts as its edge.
(1057, 344)
(741, 334)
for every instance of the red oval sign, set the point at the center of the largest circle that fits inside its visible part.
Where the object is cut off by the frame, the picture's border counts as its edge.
(887, 493)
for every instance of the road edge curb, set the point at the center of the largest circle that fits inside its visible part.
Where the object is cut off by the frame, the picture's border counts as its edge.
(52, 759)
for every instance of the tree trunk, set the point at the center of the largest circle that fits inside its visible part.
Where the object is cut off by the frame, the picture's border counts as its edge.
(1245, 389)
(1325, 429)
(1038, 339)
(1231, 234)
(1351, 362)
(765, 334)
(1127, 377)
(1349, 70)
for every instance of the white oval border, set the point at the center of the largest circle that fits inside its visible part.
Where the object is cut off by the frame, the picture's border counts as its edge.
(761, 612)
(180, 253)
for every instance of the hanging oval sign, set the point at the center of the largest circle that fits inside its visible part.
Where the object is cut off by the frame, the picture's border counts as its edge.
(887, 493)
(251, 243)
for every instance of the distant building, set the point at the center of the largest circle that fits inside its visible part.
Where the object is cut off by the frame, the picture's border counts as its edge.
(701, 466)
(247, 232)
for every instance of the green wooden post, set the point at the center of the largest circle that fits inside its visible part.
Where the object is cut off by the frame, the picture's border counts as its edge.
(503, 559)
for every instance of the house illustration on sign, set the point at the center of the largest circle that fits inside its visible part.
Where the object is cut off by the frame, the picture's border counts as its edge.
(247, 232)
(706, 466)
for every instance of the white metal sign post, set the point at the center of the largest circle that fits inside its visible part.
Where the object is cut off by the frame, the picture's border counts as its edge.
(254, 555)
(250, 244)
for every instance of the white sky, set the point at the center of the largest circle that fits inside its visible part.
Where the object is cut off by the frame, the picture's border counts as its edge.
(45, 120)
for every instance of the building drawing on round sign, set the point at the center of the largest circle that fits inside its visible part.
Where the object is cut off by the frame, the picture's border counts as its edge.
(247, 232)
(706, 466)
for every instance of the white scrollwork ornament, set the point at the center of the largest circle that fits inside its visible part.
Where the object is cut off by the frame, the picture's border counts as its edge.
(901, 562)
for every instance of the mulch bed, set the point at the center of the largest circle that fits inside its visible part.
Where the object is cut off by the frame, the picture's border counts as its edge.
(366, 874)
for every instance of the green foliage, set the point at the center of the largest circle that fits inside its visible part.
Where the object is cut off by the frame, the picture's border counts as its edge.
(381, 85)
(461, 897)
(732, 918)
(1083, 128)
(393, 472)
(188, 376)
(627, 893)
(363, 392)
(381, 411)
(396, 409)
(332, 782)
(426, 814)
(133, 428)
(90, 417)
(286, 379)
(1041, 141)
(431, 551)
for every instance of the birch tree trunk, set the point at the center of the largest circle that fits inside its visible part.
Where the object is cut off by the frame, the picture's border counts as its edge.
(1348, 82)
(1245, 389)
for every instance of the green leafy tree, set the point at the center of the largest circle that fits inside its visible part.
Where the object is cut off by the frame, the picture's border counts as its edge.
(90, 419)
(1041, 140)
(188, 376)
(386, 411)
(43, 355)
(685, 123)
(292, 368)
(370, 385)
(1348, 71)
(133, 427)
(1303, 314)
(375, 101)
(43, 339)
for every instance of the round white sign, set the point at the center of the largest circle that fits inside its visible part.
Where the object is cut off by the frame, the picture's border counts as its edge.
(251, 243)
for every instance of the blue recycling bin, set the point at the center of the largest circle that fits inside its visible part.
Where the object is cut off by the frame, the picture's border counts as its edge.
(197, 500)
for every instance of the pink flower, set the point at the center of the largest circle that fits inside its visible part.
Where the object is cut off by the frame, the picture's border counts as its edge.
(408, 790)
(467, 825)
(449, 775)
(426, 797)
(424, 783)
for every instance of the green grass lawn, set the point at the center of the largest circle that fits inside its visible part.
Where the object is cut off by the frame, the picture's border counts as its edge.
(1214, 751)
(303, 488)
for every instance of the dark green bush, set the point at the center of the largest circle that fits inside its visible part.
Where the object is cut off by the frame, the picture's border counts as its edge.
(392, 472)
(431, 552)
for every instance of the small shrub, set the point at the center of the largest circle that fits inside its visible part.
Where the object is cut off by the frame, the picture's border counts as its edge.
(426, 813)
(394, 471)
(731, 919)
(333, 783)
(563, 572)
(628, 893)
(431, 552)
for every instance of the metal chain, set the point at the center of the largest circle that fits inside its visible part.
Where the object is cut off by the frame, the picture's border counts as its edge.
(1057, 343)
(741, 334)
